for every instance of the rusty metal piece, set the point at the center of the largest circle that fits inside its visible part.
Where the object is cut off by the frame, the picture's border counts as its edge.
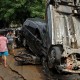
(69, 63)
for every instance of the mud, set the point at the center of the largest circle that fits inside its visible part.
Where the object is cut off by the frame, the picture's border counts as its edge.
(30, 72)
(65, 77)
(27, 72)
(8, 74)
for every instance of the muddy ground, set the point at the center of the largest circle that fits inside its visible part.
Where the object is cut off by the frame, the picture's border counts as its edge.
(29, 72)
(19, 72)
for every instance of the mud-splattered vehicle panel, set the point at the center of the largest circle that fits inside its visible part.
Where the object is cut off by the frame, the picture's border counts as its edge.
(63, 20)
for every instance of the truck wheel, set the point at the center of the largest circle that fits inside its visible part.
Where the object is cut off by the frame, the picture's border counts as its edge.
(45, 67)
(52, 60)
(54, 57)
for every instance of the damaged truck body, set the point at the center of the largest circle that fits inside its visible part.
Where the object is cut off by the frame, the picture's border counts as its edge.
(63, 35)
(58, 44)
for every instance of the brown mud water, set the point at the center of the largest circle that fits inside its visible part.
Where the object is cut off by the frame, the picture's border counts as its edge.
(38, 74)
(8, 74)
(30, 72)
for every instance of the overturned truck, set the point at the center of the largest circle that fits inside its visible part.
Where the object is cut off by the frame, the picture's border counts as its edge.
(57, 45)
(63, 40)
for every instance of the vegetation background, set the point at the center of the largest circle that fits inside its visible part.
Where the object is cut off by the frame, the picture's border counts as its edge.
(17, 11)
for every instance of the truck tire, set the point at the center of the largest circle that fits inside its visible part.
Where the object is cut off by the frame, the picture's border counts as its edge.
(54, 56)
(57, 53)
(52, 60)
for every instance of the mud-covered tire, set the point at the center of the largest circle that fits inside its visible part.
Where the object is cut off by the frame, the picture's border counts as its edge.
(46, 70)
(56, 53)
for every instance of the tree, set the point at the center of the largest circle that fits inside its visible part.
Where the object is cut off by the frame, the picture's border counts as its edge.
(19, 10)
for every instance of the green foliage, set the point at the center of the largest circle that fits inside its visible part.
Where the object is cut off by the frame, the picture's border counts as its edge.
(38, 8)
(19, 10)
